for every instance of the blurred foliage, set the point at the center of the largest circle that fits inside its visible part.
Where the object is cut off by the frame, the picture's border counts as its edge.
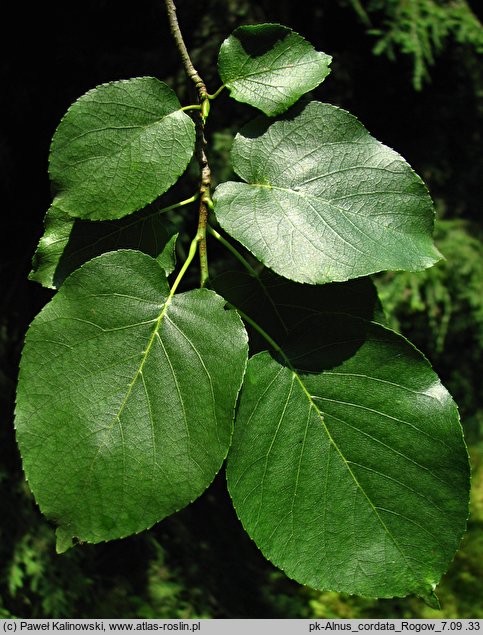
(199, 562)
(419, 28)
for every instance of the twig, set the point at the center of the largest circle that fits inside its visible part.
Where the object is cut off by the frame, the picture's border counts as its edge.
(205, 172)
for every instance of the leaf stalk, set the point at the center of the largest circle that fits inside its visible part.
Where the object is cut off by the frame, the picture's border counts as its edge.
(233, 250)
(216, 93)
(186, 201)
(191, 254)
(276, 347)
(191, 107)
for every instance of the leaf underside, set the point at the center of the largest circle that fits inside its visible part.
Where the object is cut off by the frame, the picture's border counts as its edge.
(125, 402)
(67, 243)
(323, 200)
(119, 147)
(269, 66)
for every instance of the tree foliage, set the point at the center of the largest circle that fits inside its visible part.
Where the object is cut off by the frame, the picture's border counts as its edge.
(286, 598)
(420, 29)
(126, 398)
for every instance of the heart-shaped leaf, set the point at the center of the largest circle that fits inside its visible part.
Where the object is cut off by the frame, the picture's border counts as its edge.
(68, 243)
(119, 146)
(324, 201)
(126, 398)
(269, 66)
(348, 468)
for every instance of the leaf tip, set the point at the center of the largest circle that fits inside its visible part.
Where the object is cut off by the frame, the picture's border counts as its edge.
(64, 540)
(438, 255)
(166, 259)
(46, 280)
(430, 598)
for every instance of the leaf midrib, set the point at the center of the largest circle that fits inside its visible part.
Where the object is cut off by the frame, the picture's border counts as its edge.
(331, 203)
(157, 120)
(138, 373)
(100, 160)
(117, 416)
(353, 476)
(270, 70)
(145, 356)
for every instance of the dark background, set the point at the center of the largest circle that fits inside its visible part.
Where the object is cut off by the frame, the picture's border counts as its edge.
(199, 562)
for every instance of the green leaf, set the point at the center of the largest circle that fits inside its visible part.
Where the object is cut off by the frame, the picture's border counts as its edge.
(167, 258)
(126, 397)
(269, 66)
(119, 147)
(279, 305)
(58, 228)
(68, 243)
(350, 473)
(324, 201)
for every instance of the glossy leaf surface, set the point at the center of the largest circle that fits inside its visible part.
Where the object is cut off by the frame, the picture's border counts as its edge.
(68, 243)
(269, 66)
(323, 200)
(125, 401)
(350, 473)
(119, 146)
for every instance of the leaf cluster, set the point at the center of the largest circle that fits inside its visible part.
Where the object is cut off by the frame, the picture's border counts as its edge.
(347, 464)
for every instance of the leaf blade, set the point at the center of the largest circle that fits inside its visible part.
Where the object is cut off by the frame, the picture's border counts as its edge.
(112, 435)
(119, 147)
(346, 478)
(324, 201)
(167, 257)
(67, 243)
(269, 66)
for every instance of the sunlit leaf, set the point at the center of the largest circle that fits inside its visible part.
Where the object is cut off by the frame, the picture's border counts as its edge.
(119, 146)
(348, 468)
(269, 66)
(323, 200)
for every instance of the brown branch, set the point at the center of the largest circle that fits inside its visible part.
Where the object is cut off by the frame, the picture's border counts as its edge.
(181, 46)
(205, 173)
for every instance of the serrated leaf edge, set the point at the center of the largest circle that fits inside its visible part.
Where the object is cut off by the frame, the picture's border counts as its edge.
(282, 109)
(437, 254)
(64, 541)
(425, 592)
(58, 196)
